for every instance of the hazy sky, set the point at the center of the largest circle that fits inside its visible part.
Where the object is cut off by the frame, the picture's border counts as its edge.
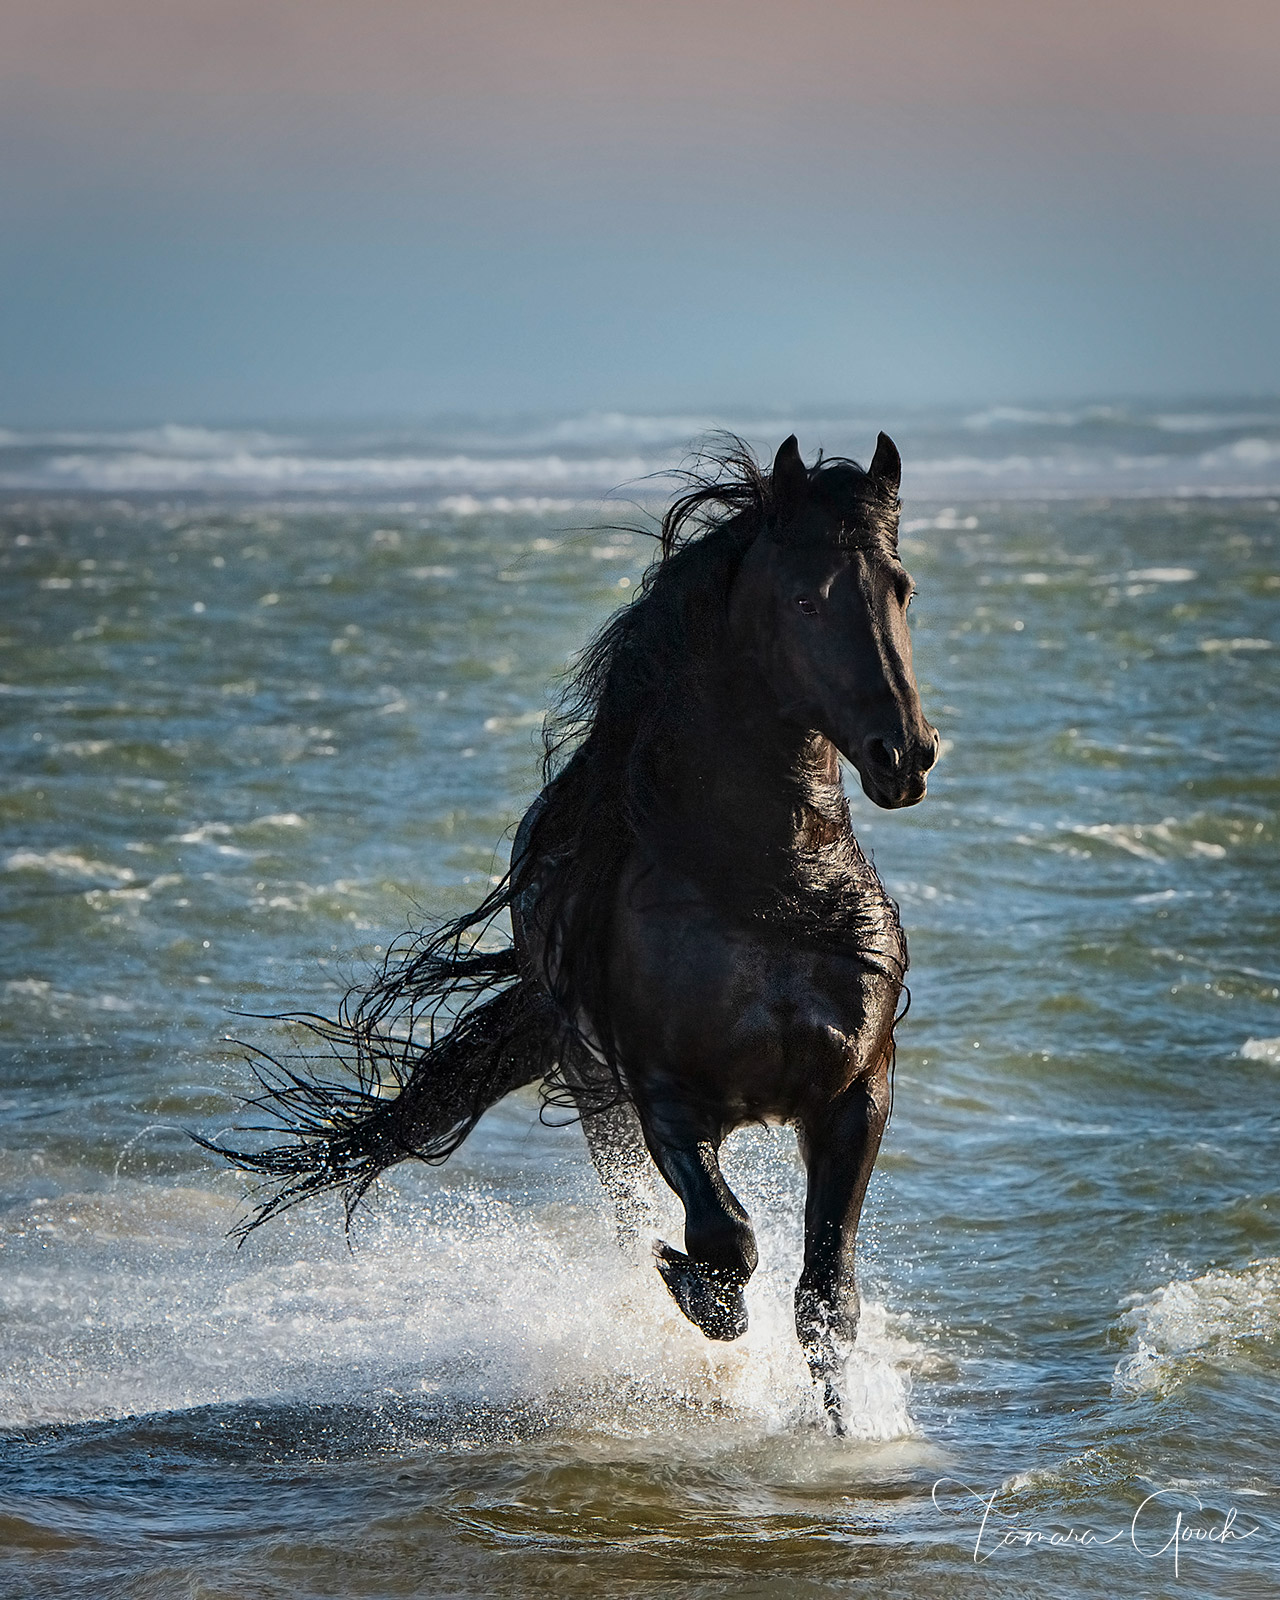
(263, 208)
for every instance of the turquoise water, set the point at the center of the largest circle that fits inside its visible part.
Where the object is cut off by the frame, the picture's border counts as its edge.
(247, 742)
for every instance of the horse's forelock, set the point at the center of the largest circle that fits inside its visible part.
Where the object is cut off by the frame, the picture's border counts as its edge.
(847, 488)
(862, 513)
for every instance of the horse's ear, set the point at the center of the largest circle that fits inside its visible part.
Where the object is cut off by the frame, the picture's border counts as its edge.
(790, 476)
(886, 465)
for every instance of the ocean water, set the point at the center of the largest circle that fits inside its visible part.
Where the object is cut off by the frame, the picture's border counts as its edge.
(267, 696)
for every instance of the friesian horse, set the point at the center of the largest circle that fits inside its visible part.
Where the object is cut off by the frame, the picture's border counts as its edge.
(696, 939)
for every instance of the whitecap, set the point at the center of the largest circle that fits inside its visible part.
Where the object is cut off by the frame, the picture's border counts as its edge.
(202, 833)
(1152, 841)
(84, 747)
(1250, 452)
(145, 470)
(1261, 1050)
(614, 427)
(469, 505)
(66, 863)
(1025, 417)
(1212, 421)
(946, 520)
(1194, 1319)
(525, 719)
(167, 437)
(52, 1002)
(986, 466)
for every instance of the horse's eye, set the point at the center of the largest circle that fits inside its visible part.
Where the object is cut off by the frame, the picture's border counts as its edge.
(806, 605)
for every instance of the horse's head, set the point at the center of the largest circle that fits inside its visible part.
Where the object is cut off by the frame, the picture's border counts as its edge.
(821, 603)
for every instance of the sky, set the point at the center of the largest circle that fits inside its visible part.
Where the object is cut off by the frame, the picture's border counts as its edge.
(252, 209)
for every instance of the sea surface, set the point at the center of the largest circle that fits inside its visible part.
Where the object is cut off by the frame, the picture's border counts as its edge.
(269, 695)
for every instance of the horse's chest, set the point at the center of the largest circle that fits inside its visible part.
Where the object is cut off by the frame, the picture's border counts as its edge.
(766, 1027)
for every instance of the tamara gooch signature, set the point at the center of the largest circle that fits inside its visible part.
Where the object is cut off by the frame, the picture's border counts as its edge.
(1169, 1524)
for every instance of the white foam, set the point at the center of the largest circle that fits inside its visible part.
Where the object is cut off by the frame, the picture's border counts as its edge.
(947, 520)
(66, 864)
(1196, 1319)
(168, 438)
(970, 466)
(53, 1003)
(1024, 417)
(202, 833)
(246, 469)
(1213, 421)
(1261, 1050)
(84, 747)
(620, 427)
(1229, 646)
(469, 505)
(133, 1301)
(1153, 841)
(525, 719)
(1250, 452)
(564, 463)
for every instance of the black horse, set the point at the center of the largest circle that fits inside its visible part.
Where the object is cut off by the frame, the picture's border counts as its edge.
(697, 941)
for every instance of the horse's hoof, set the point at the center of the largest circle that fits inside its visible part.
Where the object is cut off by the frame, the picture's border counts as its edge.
(833, 1409)
(711, 1297)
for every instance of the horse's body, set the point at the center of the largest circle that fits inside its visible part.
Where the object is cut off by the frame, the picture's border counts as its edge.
(698, 942)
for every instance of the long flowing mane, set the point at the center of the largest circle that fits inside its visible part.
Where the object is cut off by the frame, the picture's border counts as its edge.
(623, 708)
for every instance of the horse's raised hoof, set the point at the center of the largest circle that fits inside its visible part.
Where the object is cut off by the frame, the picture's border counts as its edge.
(711, 1297)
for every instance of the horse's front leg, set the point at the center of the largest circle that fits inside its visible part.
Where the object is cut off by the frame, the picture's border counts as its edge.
(839, 1150)
(707, 1282)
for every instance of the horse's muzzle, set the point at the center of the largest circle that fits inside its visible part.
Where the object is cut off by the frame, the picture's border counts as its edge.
(895, 775)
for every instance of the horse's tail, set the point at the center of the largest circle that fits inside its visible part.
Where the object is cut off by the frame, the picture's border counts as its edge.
(389, 1084)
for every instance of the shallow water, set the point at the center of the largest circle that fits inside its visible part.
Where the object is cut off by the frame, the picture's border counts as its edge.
(247, 743)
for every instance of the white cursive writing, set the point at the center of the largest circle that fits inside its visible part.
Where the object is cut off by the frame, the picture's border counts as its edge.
(1184, 1533)
(1149, 1535)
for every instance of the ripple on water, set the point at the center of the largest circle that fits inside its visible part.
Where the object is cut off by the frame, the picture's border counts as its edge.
(221, 808)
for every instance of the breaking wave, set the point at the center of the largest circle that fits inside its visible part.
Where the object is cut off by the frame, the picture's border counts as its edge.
(1072, 450)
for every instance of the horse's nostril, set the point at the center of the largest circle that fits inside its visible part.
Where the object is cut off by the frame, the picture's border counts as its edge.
(883, 754)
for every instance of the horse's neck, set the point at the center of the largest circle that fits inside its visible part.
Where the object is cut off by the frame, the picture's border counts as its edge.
(752, 784)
